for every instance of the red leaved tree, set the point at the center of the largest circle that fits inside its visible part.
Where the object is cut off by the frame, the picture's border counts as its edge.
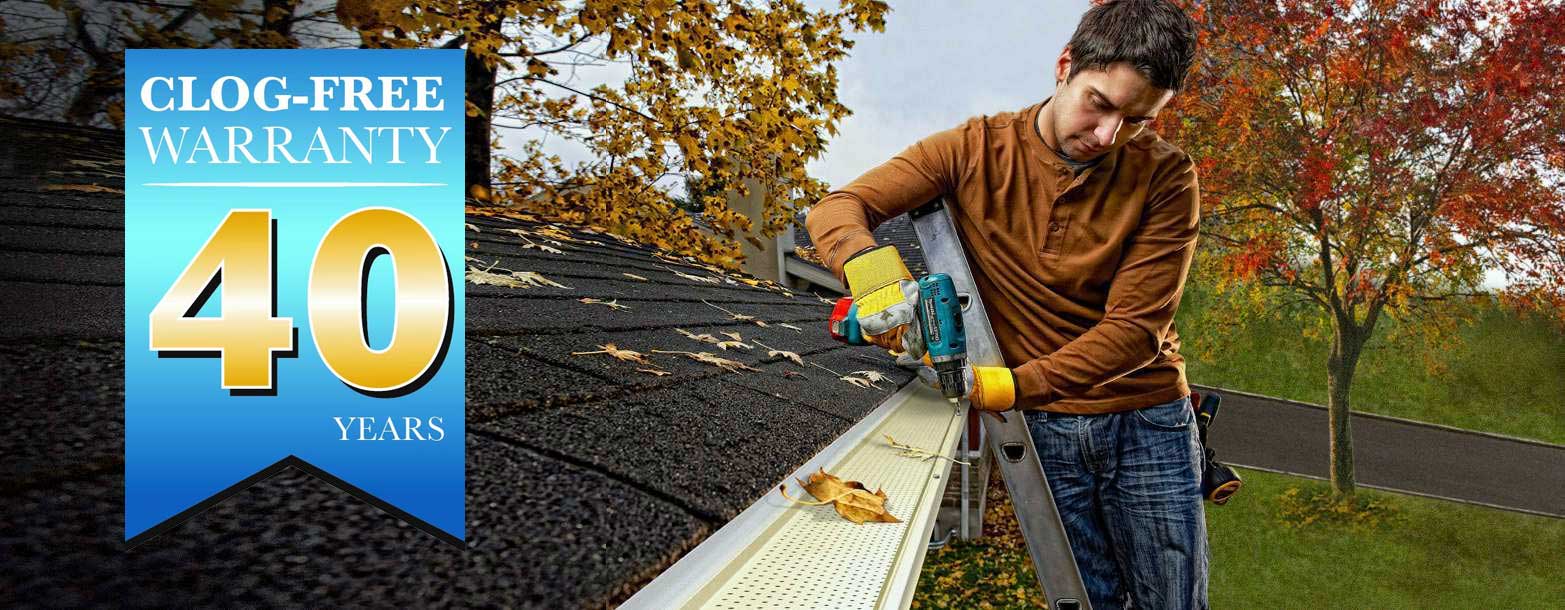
(1372, 159)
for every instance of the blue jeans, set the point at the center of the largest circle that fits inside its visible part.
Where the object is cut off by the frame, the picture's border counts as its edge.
(1128, 487)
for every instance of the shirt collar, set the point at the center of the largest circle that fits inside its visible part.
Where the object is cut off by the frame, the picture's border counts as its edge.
(1049, 157)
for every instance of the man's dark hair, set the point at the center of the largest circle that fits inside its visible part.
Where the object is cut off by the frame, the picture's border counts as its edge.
(1154, 36)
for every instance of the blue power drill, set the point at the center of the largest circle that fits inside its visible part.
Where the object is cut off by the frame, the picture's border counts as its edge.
(939, 318)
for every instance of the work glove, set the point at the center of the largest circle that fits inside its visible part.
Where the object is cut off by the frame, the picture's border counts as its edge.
(989, 388)
(886, 298)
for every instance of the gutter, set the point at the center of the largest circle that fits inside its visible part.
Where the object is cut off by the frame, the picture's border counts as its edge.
(775, 554)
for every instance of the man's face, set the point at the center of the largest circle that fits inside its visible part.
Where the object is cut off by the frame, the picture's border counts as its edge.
(1098, 111)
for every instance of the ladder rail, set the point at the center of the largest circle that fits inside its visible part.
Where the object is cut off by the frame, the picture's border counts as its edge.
(1009, 439)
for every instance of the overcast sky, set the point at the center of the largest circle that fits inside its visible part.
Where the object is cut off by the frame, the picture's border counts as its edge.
(938, 63)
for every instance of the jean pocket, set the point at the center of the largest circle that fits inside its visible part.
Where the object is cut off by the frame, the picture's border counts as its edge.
(1175, 415)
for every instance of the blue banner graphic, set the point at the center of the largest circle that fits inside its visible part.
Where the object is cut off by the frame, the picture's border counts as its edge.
(293, 276)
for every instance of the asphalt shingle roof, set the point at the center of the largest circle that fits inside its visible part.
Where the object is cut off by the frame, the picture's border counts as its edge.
(586, 478)
(897, 231)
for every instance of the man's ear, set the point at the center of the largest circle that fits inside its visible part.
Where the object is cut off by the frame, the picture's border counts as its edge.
(1062, 66)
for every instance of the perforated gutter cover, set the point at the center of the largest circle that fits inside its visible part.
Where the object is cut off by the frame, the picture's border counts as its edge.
(779, 555)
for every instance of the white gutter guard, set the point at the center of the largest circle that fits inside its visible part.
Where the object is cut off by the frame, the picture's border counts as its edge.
(779, 555)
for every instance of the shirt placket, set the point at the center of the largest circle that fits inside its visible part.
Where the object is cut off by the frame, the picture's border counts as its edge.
(1059, 212)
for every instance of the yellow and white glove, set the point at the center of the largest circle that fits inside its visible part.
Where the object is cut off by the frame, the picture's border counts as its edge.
(989, 388)
(887, 299)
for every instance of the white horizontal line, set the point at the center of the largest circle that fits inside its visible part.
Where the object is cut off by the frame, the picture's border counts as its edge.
(277, 185)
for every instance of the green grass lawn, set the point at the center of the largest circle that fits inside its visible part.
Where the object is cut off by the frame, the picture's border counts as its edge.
(1504, 373)
(1418, 553)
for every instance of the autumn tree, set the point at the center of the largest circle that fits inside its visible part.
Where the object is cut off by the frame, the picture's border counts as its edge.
(65, 59)
(742, 93)
(1372, 159)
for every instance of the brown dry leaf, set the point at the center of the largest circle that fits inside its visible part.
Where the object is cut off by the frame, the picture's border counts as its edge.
(737, 317)
(791, 326)
(793, 375)
(516, 279)
(612, 303)
(858, 381)
(703, 337)
(772, 351)
(84, 188)
(635, 277)
(906, 450)
(732, 366)
(654, 372)
(872, 376)
(472, 227)
(789, 355)
(615, 351)
(530, 245)
(733, 335)
(728, 344)
(696, 278)
(852, 500)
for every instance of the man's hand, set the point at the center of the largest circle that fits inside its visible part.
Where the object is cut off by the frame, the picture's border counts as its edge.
(886, 298)
(989, 388)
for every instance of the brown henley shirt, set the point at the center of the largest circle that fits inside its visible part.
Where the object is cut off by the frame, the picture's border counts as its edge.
(1081, 274)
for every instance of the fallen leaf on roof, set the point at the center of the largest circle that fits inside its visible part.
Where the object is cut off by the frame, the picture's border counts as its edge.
(733, 335)
(615, 351)
(791, 326)
(635, 277)
(612, 303)
(84, 188)
(872, 376)
(865, 382)
(728, 344)
(472, 227)
(556, 233)
(852, 499)
(533, 246)
(694, 278)
(738, 317)
(733, 366)
(858, 381)
(793, 375)
(703, 337)
(516, 279)
(760, 323)
(907, 450)
(772, 351)
(654, 372)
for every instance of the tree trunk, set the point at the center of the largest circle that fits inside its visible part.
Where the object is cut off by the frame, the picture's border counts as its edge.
(1346, 347)
(480, 93)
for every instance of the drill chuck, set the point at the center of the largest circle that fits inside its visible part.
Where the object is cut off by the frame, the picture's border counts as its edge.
(952, 385)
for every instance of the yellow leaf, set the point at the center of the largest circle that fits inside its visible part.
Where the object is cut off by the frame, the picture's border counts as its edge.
(851, 499)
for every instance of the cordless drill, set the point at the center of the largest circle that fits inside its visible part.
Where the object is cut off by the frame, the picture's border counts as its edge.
(940, 321)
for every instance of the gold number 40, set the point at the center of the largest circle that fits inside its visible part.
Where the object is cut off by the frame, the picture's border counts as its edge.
(247, 335)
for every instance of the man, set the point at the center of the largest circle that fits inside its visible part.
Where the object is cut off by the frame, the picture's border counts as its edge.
(1080, 225)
